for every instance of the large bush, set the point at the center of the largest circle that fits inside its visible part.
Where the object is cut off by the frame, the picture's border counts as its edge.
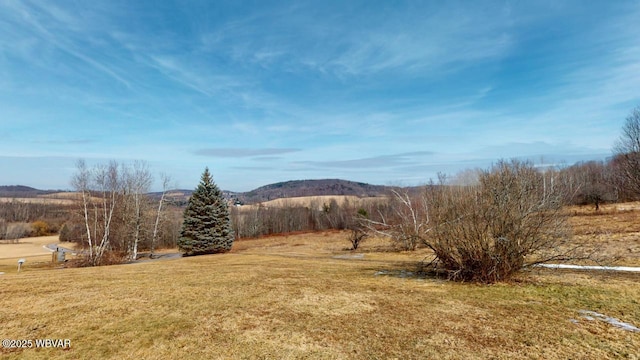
(40, 228)
(511, 219)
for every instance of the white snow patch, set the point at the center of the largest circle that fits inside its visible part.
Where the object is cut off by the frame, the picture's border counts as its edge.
(590, 267)
(353, 256)
(592, 315)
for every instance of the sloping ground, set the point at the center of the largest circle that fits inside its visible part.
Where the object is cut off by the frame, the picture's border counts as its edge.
(304, 296)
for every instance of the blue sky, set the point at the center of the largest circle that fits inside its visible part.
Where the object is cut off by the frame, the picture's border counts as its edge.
(385, 92)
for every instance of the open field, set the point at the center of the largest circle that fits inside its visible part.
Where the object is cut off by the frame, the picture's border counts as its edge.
(31, 249)
(306, 296)
(27, 247)
(310, 201)
(614, 231)
(63, 195)
(39, 200)
(59, 198)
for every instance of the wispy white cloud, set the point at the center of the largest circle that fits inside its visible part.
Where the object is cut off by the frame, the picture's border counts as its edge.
(400, 39)
(199, 79)
(454, 45)
(382, 161)
(46, 26)
(243, 152)
(316, 89)
(267, 158)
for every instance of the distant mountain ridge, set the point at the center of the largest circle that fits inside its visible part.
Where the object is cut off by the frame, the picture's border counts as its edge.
(286, 189)
(297, 188)
(21, 191)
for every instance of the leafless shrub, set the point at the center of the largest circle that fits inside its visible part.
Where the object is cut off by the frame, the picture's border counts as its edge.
(356, 236)
(358, 229)
(41, 228)
(512, 219)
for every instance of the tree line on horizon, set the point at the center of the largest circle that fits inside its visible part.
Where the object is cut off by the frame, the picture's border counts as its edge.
(482, 225)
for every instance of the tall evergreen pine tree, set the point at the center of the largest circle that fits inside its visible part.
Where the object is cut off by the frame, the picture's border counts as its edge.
(206, 228)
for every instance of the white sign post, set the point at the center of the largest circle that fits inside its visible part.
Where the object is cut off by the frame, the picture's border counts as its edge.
(20, 262)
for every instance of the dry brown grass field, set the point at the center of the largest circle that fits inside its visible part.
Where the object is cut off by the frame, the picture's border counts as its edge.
(59, 198)
(63, 195)
(614, 231)
(39, 200)
(31, 249)
(309, 201)
(306, 296)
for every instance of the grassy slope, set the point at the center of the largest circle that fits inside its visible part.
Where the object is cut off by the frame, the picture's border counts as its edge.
(288, 297)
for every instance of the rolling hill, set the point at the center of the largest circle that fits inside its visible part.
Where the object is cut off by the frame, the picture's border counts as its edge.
(21, 191)
(287, 189)
(298, 188)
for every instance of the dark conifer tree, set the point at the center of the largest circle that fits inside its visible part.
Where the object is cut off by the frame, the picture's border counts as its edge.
(206, 228)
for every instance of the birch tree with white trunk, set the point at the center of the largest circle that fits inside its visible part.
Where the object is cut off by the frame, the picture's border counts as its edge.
(99, 188)
(166, 184)
(137, 180)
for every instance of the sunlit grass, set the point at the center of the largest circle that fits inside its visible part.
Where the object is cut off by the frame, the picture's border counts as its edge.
(613, 232)
(290, 297)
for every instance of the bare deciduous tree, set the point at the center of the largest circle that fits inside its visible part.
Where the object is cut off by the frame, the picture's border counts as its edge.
(627, 151)
(596, 183)
(356, 236)
(136, 182)
(116, 212)
(105, 181)
(166, 183)
(407, 222)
